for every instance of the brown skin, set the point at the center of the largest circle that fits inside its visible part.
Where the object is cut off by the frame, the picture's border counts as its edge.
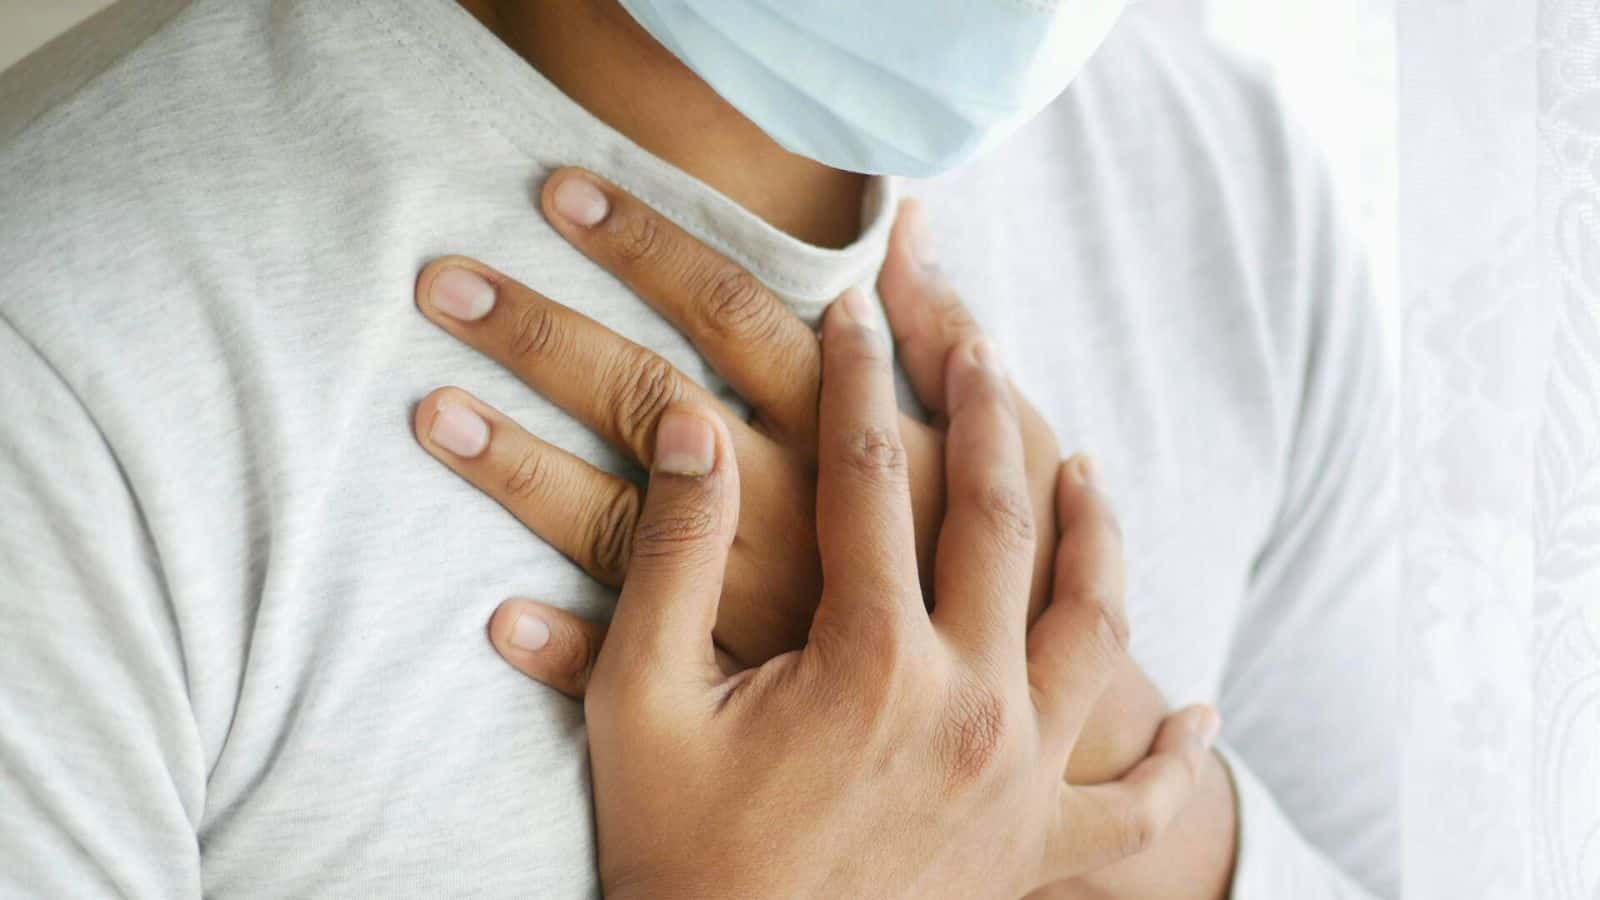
(599, 56)
(766, 607)
(756, 785)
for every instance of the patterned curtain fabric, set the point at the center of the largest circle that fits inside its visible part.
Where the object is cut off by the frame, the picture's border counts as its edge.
(1499, 248)
(1496, 108)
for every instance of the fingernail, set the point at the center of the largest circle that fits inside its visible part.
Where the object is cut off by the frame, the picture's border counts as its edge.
(462, 294)
(858, 310)
(1084, 470)
(530, 632)
(986, 357)
(922, 248)
(1210, 725)
(684, 445)
(580, 202)
(459, 430)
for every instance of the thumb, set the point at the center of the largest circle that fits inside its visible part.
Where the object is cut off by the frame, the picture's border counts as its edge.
(669, 598)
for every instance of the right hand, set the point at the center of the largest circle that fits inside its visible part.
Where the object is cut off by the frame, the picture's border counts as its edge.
(899, 753)
(772, 359)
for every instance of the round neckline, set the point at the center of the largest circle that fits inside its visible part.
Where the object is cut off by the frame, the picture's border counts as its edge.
(498, 89)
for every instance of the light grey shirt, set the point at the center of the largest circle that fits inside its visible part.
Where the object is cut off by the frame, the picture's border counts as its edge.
(242, 614)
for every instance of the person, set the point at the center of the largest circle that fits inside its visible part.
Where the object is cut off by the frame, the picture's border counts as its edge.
(258, 658)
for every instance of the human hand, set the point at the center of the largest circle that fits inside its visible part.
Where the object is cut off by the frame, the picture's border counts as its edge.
(854, 766)
(772, 359)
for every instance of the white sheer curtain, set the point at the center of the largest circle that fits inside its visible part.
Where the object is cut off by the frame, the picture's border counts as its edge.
(1499, 106)
(1494, 120)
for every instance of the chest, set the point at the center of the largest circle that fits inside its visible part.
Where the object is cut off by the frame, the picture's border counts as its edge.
(355, 671)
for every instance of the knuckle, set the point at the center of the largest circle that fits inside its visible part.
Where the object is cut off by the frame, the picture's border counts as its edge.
(974, 733)
(611, 537)
(876, 454)
(528, 478)
(680, 533)
(533, 332)
(637, 237)
(884, 636)
(1111, 632)
(572, 659)
(734, 304)
(857, 347)
(951, 319)
(1140, 825)
(887, 667)
(1009, 514)
(652, 386)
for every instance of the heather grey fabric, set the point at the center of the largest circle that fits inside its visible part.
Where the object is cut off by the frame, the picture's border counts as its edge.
(242, 614)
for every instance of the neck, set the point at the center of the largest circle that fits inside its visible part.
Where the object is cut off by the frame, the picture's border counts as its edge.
(600, 57)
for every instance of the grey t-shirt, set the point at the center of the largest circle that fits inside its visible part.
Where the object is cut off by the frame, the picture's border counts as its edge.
(242, 614)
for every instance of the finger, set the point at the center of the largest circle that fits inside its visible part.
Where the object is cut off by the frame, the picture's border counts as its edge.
(985, 559)
(864, 527)
(929, 320)
(668, 604)
(585, 513)
(549, 645)
(748, 335)
(624, 387)
(925, 314)
(1082, 635)
(1107, 822)
(555, 647)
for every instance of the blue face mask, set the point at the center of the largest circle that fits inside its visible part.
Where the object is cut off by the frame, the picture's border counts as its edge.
(901, 87)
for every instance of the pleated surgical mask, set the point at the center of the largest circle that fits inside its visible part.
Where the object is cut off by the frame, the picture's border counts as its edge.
(901, 87)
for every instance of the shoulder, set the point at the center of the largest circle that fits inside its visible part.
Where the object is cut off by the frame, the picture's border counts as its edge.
(143, 150)
(1164, 90)
(99, 123)
(111, 86)
(1212, 209)
(1202, 135)
(53, 75)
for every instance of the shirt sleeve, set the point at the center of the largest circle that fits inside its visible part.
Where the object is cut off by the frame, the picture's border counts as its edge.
(1309, 693)
(101, 774)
